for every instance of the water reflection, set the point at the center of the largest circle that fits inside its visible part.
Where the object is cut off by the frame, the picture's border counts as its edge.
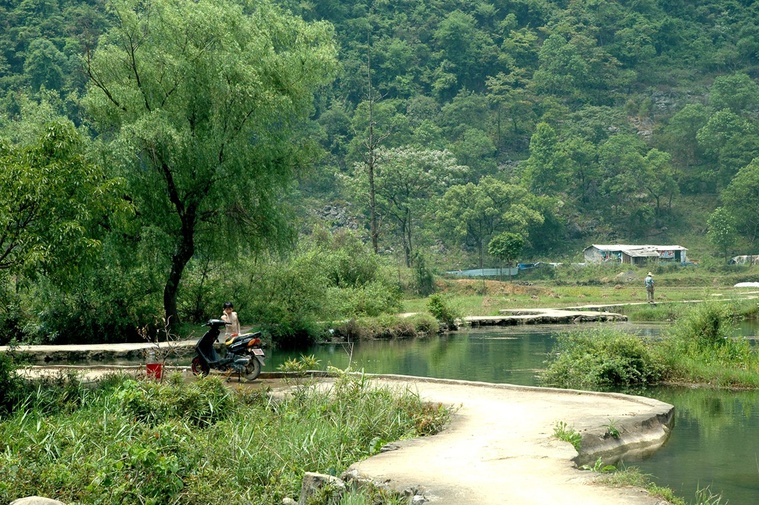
(498, 356)
(713, 444)
(512, 355)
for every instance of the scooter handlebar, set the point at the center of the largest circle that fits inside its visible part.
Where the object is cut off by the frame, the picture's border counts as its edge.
(216, 322)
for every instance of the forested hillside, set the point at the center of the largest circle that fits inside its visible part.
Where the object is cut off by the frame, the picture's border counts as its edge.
(625, 121)
(452, 134)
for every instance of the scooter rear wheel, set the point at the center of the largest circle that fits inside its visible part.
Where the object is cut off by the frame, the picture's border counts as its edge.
(253, 369)
(199, 367)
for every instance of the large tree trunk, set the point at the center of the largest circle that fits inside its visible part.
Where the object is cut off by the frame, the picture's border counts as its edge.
(187, 212)
(179, 260)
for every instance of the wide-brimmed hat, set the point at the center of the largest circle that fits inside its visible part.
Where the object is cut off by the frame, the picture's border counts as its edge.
(650, 274)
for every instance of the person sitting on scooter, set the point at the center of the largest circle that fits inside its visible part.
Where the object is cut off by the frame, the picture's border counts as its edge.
(230, 316)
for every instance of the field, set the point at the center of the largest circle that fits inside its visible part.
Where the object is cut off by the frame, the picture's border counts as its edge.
(601, 285)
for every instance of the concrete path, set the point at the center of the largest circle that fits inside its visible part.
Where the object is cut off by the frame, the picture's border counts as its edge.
(500, 446)
(543, 316)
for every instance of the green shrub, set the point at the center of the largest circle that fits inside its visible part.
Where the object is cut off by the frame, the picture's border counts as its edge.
(706, 326)
(12, 315)
(699, 348)
(371, 299)
(601, 359)
(106, 305)
(203, 402)
(424, 280)
(10, 383)
(424, 324)
(385, 327)
(107, 451)
(442, 310)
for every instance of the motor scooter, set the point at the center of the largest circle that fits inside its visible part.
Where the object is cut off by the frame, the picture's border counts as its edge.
(244, 354)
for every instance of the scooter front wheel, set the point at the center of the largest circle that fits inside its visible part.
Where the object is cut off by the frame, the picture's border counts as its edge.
(199, 367)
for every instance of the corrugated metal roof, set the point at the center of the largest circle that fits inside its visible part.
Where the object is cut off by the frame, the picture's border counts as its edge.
(641, 253)
(625, 248)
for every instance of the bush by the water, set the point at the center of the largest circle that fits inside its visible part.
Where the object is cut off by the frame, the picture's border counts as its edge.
(700, 347)
(195, 443)
(705, 327)
(601, 359)
(442, 309)
(387, 327)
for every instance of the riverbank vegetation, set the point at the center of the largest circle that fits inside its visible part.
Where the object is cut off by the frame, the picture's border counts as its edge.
(632, 476)
(200, 442)
(698, 348)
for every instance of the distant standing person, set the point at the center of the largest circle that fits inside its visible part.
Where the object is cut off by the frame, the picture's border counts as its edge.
(649, 282)
(230, 316)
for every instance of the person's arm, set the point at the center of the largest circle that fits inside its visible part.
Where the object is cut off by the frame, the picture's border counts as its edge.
(236, 325)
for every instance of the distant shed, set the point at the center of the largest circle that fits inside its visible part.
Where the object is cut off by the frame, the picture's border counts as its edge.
(635, 254)
(746, 259)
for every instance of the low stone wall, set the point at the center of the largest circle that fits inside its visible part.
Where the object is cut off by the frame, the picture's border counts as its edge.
(93, 353)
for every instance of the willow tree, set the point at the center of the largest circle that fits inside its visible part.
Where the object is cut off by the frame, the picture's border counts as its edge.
(53, 200)
(202, 107)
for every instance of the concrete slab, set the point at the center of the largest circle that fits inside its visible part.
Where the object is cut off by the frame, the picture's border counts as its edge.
(510, 317)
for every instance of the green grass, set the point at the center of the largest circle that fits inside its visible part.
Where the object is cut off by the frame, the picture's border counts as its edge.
(568, 434)
(632, 477)
(676, 287)
(135, 442)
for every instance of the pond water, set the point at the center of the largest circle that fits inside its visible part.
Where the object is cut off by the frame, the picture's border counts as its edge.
(714, 442)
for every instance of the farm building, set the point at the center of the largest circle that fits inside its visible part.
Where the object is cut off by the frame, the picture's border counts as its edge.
(746, 259)
(635, 254)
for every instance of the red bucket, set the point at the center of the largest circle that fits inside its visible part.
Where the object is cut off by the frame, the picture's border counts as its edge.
(155, 371)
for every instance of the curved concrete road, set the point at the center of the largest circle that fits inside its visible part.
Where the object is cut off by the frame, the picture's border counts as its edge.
(500, 445)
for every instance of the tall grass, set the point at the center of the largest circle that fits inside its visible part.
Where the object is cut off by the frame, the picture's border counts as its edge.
(198, 442)
(632, 476)
(698, 348)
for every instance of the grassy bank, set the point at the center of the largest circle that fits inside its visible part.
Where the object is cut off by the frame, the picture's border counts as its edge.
(697, 349)
(618, 286)
(487, 298)
(137, 442)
